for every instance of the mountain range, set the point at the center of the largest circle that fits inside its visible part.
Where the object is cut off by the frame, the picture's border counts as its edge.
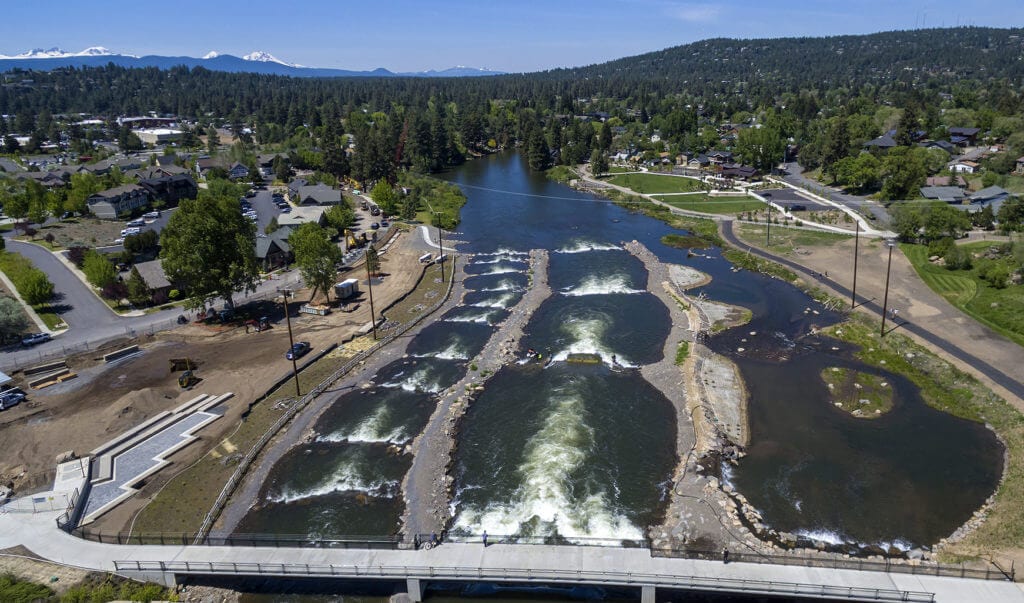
(261, 62)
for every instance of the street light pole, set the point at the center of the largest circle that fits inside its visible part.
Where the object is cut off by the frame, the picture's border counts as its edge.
(440, 245)
(856, 246)
(768, 237)
(369, 287)
(885, 299)
(285, 294)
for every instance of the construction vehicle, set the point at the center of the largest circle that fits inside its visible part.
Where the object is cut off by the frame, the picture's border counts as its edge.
(187, 379)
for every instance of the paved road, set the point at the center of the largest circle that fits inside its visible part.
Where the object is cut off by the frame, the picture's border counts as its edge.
(1012, 381)
(75, 303)
(859, 204)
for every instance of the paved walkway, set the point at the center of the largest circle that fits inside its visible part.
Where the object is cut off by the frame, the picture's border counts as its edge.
(38, 532)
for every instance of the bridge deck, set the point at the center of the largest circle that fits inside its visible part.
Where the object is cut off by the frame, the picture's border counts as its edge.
(39, 533)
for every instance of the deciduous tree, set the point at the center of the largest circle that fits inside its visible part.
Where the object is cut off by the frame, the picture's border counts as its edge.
(316, 257)
(12, 319)
(210, 247)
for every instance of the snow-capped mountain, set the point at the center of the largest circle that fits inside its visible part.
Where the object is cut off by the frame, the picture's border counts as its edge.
(265, 57)
(60, 53)
(255, 62)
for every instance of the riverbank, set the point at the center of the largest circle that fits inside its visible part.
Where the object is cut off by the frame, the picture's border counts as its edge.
(427, 485)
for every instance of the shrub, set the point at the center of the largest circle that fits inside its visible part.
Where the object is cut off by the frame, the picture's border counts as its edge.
(76, 254)
(114, 290)
(98, 269)
(957, 259)
(996, 274)
(174, 294)
(939, 247)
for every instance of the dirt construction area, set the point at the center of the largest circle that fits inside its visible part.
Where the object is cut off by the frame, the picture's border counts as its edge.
(106, 399)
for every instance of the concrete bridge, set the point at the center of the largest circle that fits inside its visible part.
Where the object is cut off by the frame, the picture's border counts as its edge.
(632, 568)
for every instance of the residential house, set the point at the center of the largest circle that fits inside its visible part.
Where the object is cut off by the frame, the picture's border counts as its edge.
(155, 278)
(964, 166)
(273, 250)
(945, 145)
(167, 160)
(882, 143)
(101, 168)
(964, 137)
(301, 215)
(47, 179)
(293, 188)
(621, 156)
(318, 194)
(119, 201)
(148, 173)
(720, 157)
(205, 164)
(171, 189)
(949, 194)
(1020, 166)
(237, 171)
(988, 196)
(698, 162)
(739, 172)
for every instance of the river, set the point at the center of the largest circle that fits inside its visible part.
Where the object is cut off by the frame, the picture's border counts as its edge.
(587, 451)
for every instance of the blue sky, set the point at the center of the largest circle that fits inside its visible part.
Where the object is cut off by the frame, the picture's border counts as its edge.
(407, 35)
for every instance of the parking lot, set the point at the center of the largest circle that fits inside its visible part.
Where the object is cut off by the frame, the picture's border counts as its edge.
(787, 196)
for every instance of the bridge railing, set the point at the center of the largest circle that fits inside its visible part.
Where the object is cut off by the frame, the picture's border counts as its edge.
(837, 561)
(242, 540)
(504, 574)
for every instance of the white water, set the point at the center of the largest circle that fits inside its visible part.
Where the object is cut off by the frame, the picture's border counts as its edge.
(502, 270)
(345, 478)
(452, 352)
(418, 381)
(602, 285)
(503, 285)
(545, 495)
(497, 259)
(583, 246)
(504, 252)
(586, 336)
(502, 301)
(478, 317)
(371, 430)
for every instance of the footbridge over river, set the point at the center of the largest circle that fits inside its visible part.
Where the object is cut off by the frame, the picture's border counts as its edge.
(630, 568)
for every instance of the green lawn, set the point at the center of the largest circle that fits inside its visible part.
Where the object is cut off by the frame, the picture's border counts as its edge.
(1000, 309)
(656, 183)
(785, 240)
(615, 169)
(711, 205)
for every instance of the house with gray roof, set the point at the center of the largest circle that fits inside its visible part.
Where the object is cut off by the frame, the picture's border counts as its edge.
(882, 143)
(119, 201)
(154, 276)
(318, 194)
(273, 250)
(989, 195)
(948, 194)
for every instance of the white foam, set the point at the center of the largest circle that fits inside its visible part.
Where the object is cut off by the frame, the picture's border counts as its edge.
(503, 270)
(545, 493)
(586, 335)
(503, 285)
(502, 301)
(613, 284)
(497, 259)
(482, 317)
(503, 252)
(345, 478)
(583, 246)
(371, 430)
(829, 536)
(452, 352)
(418, 381)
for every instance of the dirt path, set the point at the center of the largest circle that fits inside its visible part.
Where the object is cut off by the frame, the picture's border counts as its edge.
(426, 486)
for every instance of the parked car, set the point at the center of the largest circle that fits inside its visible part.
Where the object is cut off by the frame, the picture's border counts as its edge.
(35, 338)
(11, 398)
(286, 209)
(250, 193)
(153, 215)
(137, 222)
(298, 350)
(374, 226)
(384, 223)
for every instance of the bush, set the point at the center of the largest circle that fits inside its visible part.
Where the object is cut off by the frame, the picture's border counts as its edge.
(996, 274)
(957, 259)
(114, 291)
(939, 247)
(174, 294)
(13, 590)
(76, 254)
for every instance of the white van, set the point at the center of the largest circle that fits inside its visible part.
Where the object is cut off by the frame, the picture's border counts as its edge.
(137, 222)
(153, 215)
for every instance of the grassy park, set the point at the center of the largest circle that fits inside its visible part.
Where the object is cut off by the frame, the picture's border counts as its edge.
(1000, 308)
(711, 205)
(651, 184)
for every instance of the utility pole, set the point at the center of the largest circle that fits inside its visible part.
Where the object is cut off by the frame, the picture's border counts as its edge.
(768, 202)
(440, 246)
(885, 299)
(856, 246)
(286, 293)
(369, 287)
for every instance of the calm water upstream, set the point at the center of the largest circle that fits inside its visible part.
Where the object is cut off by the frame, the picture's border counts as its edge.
(587, 451)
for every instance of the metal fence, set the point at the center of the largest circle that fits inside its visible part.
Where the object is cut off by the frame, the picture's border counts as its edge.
(838, 561)
(516, 575)
(254, 452)
(243, 540)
